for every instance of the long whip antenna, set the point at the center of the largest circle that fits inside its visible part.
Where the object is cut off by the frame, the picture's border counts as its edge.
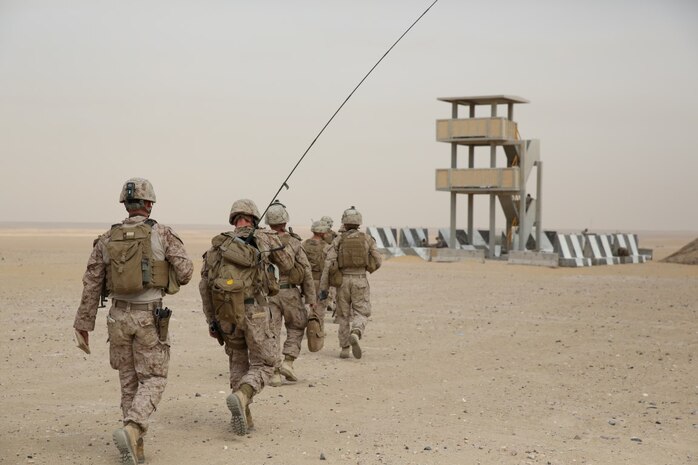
(285, 183)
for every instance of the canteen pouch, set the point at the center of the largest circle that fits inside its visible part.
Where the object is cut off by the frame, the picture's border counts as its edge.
(228, 296)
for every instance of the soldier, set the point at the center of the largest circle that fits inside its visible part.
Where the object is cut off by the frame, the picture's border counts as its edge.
(348, 258)
(288, 303)
(329, 236)
(137, 261)
(236, 279)
(316, 250)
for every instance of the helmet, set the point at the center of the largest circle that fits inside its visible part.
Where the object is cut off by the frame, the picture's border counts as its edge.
(319, 227)
(351, 216)
(328, 221)
(243, 207)
(137, 189)
(277, 214)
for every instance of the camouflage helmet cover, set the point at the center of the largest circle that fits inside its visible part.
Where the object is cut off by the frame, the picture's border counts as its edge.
(319, 227)
(328, 221)
(351, 216)
(243, 207)
(277, 214)
(137, 189)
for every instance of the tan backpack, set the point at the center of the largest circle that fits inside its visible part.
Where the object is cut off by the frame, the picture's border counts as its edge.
(315, 251)
(237, 271)
(132, 267)
(296, 275)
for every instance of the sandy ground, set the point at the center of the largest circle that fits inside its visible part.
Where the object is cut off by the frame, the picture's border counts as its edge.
(463, 363)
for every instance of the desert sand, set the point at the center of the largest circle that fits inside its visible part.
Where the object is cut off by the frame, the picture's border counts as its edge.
(464, 363)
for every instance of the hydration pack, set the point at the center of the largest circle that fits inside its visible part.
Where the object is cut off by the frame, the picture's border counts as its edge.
(132, 265)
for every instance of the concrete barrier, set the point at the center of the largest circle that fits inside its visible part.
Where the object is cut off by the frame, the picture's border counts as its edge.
(570, 248)
(530, 257)
(598, 249)
(629, 243)
(455, 255)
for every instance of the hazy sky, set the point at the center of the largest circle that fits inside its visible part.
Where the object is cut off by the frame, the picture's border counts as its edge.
(216, 100)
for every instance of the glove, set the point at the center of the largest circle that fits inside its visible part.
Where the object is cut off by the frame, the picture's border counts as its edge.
(324, 295)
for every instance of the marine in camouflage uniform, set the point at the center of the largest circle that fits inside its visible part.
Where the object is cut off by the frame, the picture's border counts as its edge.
(288, 305)
(249, 344)
(135, 348)
(316, 250)
(353, 296)
(328, 237)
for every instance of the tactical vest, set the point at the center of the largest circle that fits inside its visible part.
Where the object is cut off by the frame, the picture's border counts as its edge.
(295, 275)
(132, 265)
(236, 272)
(314, 249)
(353, 251)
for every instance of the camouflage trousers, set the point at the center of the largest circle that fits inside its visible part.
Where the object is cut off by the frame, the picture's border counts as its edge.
(142, 360)
(353, 307)
(321, 309)
(288, 305)
(251, 349)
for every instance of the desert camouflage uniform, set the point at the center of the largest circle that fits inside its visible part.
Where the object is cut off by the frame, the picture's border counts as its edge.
(311, 243)
(353, 296)
(329, 237)
(134, 347)
(288, 303)
(251, 350)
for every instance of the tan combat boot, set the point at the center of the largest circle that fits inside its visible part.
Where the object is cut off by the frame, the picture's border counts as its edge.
(286, 369)
(140, 453)
(344, 353)
(275, 380)
(126, 440)
(248, 414)
(355, 347)
(237, 404)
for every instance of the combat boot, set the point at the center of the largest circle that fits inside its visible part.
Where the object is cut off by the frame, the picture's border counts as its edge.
(345, 352)
(355, 347)
(286, 369)
(126, 440)
(140, 453)
(237, 404)
(275, 380)
(248, 414)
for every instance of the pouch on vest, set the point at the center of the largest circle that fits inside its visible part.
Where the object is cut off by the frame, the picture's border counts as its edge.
(372, 264)
(129, 263)
(228, 297)
(172, 281)
(271, 279)
(335, 275)
(297, 274)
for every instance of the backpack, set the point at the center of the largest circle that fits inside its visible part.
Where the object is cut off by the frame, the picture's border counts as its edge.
(315, 251)
(296, 275)
(132, 266)
(237, 271)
